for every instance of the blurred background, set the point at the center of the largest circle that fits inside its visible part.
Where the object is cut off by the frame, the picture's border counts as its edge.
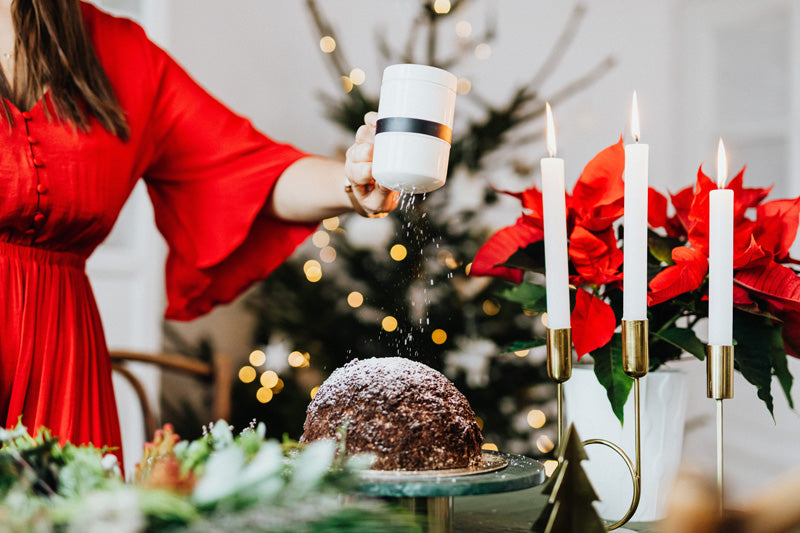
(305, 72)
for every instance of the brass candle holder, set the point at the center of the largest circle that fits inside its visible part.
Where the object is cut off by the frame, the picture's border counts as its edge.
(559, 367)
(719, 386)
(635, 360)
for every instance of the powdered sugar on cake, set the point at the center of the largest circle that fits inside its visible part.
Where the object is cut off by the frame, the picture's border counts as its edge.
(407, 414)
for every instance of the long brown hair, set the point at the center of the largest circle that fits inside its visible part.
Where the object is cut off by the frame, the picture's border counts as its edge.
(53, 52)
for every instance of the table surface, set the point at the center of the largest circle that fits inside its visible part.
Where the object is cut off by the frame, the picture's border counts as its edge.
(509, 512)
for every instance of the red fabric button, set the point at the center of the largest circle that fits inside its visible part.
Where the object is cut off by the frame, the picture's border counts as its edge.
(32, 139)
(26, 115)
(41, 188)
(37, 162)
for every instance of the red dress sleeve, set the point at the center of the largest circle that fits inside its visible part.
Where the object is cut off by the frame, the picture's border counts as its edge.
(210, 176)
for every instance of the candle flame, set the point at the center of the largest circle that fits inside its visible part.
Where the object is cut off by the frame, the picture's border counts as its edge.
(722, 166)
(635, 117)
(551, 131)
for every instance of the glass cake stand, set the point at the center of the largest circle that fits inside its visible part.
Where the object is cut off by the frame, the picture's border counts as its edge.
(430, 493)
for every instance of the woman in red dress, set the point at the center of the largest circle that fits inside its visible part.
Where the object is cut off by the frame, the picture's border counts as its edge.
(91, 106)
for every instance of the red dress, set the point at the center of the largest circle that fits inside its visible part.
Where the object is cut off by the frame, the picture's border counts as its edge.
(208, 173)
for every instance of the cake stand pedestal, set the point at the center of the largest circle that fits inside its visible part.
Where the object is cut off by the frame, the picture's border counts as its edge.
(430, 494)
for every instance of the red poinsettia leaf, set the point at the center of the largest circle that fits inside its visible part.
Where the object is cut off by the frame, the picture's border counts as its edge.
(746, 198)
(682, 202)
(598, 195)
(531, 200)
(501, 246)
(698, 213)
(774, 282)
(749, 255)
(656, 209)
(593, 323)
(596, 257)
(741, 297)
(687, 274)
(776, 225)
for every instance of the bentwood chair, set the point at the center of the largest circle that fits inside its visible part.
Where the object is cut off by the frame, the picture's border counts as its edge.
(218, 374)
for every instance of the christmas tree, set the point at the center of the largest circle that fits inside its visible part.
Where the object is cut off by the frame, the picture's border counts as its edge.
(569, 506)
(399, 285)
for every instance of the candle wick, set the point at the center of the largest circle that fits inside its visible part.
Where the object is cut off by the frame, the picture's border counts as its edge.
(636, 139)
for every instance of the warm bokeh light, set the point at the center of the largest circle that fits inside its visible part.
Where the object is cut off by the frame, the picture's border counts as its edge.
(269, 379)
(247, 374)
(264, 395)
(463, 29)
(439, 336)
(550, 467)
(490, 308)
(467, 268)
(479, 421)
(489, 446)
(355, 299)
(483, 51)
(545, 444)
(536, 418)
(398, 252)
(321, 239)
(389, 323)
(358, 76)
(278, 386)
(441, 6)
(330, 224)
(522, 353)
(347, 83)
(544, 319)
(327, 44)
(314, 392)
(463, 86)
(257, 358)
(328, 254)
(313, 270)
(296, 359)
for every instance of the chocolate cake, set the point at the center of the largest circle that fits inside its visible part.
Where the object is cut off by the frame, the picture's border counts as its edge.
(408, 415)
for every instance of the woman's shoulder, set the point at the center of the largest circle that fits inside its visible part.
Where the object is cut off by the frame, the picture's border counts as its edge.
(107, 30)
(128, 57)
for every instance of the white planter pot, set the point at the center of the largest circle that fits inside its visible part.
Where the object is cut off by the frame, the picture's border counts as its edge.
(663, 402)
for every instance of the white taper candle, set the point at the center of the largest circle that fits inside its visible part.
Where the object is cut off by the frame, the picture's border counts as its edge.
(555, 233)
(634, 284)
(720, 258)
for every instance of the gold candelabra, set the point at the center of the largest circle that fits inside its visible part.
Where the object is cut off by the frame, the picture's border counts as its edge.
(719, 386)
(635, 360)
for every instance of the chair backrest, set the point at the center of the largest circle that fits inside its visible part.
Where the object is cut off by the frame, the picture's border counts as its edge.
(218, 373)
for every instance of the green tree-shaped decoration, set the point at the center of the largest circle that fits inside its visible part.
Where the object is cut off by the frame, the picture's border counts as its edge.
(569, 506)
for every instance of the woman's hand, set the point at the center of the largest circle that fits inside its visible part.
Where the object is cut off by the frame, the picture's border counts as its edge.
(373, 197)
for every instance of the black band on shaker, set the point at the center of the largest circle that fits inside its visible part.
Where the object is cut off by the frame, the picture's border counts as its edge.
(414, 125)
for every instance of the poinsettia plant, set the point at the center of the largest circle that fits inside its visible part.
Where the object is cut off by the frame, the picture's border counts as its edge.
(766, 283)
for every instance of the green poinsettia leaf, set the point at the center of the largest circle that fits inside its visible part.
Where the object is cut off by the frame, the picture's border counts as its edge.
(517, 346)
(661, 247)
(529, 258)
(530, 296)
(756, 342)
(781, 369)
(610, 374)
(685, 339)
